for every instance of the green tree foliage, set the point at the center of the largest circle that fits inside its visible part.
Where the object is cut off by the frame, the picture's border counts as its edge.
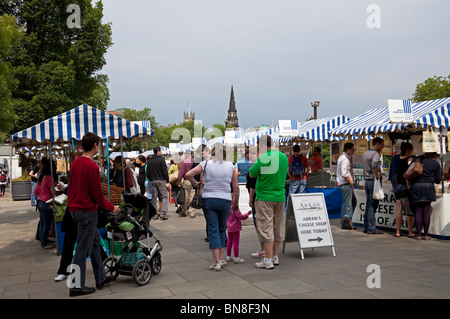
(437, 87)
(140, 115)
(57, 65)
(9, 36)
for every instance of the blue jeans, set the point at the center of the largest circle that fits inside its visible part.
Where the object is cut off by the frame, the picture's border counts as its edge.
(348, 202)
(216, 211)
(45, 220)
(88, 245)
(295, 187)
(371, 207)
(148, 185)
(33, 198)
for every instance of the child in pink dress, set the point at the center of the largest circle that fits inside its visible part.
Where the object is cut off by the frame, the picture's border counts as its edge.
(234, 227)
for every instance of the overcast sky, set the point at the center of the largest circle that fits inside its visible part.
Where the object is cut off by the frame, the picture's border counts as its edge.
(280, 55)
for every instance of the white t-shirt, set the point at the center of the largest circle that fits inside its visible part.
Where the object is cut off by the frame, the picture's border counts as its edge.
(217, 178)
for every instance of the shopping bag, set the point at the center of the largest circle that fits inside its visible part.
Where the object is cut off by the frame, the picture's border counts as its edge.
(430, 142)
(378, 192)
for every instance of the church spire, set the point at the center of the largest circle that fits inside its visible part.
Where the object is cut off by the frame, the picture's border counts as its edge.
(232, 118)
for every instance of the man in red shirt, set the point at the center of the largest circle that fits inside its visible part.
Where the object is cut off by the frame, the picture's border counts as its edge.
(315, 161)
(84, 196)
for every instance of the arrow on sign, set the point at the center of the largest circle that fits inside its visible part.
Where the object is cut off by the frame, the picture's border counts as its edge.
(318, 239)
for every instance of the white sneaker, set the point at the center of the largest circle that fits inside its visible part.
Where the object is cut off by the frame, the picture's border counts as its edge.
(228, 258)
(238, 260)
(215, 267)
(275, 260)
(60, 278)
(223, 263)
(267, 264)
(259, 254)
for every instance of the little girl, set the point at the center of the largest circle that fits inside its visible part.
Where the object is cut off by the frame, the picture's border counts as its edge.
(234, 227)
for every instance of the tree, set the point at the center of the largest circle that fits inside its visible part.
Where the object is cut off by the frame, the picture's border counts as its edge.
(9, 36)
(57, 65)
(140, 115)
(434, 88)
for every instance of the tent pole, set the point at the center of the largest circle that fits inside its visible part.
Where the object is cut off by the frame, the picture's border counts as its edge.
(321, 156)
(107, 158)
(51, 172)
(10, 170)
(442, 158)
(123, 165)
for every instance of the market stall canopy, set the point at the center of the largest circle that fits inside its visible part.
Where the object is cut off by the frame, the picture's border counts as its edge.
(251, 138)
(76, 122)
(437, 118)
(377, 120)
(316, 130)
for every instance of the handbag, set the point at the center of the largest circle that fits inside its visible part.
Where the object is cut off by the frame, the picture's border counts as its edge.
(415, 169)
(378, 192)
(181, 197)
(197, 200)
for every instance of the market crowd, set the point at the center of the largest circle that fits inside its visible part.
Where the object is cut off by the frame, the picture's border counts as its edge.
(214, 175)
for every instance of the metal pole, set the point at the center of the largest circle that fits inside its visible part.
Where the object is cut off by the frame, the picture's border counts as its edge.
(321, 156)
(123, 165)
(10, 171)
(107, 158)
(442, 158)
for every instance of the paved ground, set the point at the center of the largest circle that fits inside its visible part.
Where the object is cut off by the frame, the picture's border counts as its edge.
(410, 269)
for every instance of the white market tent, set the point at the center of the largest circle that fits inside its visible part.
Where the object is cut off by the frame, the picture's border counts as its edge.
(375, 121)
(316, 130)
(74, 124)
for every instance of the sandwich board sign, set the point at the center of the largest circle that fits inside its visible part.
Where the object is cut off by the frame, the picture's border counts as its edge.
(312, 225)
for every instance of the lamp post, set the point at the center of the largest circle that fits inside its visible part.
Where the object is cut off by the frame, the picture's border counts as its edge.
(315, 105)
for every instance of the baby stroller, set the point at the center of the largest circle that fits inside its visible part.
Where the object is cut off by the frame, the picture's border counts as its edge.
(131, 227)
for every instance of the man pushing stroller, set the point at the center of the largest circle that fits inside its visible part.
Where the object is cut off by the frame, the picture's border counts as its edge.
(84, 196)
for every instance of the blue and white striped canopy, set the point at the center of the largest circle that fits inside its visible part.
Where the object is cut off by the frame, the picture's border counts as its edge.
(377, 120)
(76, 122)
(374, 119)
(316, 130)
(319, 130)
(437, 118)
(251, 138)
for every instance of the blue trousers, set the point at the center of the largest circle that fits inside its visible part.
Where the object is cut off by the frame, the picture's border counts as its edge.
(371, 207)
(45, 221)
(348, 202)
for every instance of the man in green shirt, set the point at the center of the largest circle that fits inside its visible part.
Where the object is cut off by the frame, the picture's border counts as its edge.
(271, 170)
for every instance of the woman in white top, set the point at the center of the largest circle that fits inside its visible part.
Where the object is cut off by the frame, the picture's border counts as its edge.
(218, 175)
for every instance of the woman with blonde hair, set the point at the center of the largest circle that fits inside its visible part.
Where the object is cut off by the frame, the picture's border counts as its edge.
(217, 175)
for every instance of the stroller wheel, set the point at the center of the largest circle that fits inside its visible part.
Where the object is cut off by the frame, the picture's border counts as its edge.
(142, 272)
(156, 263)
(110, 265)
